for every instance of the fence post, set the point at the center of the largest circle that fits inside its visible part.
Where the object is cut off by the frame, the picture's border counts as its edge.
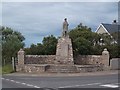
(13, 63)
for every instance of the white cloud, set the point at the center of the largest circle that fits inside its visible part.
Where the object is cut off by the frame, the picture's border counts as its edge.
(0, 13)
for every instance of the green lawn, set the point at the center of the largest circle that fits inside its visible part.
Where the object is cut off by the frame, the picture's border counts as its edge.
(7, 69)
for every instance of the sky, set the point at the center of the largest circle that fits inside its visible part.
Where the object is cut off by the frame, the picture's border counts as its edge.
(36, 20)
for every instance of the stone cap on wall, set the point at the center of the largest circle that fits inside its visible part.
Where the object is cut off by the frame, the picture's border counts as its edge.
(40, 55)
(21, 50)
(105, 51)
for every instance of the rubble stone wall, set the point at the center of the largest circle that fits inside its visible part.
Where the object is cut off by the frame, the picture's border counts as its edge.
(88, 59)
(39, 59)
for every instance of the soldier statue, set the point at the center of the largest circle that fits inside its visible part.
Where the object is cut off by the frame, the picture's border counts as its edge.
(65, 28)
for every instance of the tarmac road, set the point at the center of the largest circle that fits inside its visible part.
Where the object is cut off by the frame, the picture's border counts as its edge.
(36, 81)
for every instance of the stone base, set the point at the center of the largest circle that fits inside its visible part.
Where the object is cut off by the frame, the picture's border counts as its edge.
(89, 68)
(31, 68)
(20, 68)
(52, 68)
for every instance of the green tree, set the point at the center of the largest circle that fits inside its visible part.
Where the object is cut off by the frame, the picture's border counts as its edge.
(111, 43)
(12, 41)
(35, 49)
(83, 39)
(50, 44)
(48, 47)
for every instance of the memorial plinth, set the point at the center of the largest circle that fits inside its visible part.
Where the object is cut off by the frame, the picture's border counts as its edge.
(64, 53)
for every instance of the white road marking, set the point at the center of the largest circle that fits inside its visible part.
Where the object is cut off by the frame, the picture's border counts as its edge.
(93, 84)
(110, 86)
(29, 85)
(12, 81)
(7, 79)
(2, 78)
(80, 85)
(17, 82)
(23, 83)
(36, 87)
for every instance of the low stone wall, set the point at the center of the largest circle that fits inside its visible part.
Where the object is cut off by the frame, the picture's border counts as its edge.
(31, 68)
(46, 63)
(50, 59)
(88, 60)
(39, 59)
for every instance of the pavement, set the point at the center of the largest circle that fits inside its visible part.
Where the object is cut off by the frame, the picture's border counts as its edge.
(103, 79)
(66, 74)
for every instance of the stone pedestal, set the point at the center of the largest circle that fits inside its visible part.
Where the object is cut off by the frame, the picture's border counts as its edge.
(21, 57)
(64, 53)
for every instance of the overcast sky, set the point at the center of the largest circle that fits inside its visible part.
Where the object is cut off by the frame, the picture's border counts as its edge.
(36, 20)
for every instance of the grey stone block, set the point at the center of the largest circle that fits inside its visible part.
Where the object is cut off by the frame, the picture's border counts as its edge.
(115, 64)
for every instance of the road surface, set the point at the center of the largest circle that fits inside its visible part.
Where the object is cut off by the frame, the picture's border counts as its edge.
(55, 82)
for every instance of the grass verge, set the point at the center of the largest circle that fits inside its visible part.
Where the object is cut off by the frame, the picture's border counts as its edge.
(7, 69)
(0, 70)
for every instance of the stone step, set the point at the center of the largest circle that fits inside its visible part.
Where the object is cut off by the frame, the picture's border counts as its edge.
(61, 68)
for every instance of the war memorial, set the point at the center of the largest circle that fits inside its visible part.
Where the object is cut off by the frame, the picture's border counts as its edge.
(63, 61)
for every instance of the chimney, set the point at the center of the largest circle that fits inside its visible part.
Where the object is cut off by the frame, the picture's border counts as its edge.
(114, 22)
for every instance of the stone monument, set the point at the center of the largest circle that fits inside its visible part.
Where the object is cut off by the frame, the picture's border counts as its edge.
(64, 52)
(62, 62)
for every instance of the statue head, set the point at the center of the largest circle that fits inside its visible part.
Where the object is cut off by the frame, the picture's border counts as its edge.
(65, 19)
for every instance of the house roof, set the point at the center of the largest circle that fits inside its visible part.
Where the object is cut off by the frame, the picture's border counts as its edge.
(111, 27)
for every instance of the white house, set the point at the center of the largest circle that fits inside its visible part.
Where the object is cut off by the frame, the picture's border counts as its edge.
(108, 29)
